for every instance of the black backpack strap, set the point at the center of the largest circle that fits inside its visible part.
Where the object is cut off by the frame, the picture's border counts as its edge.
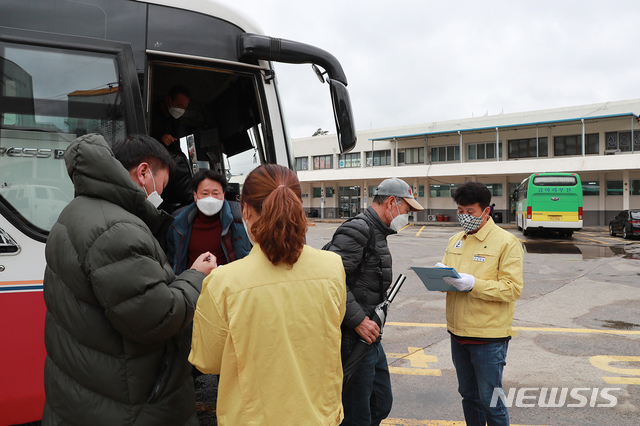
(368, 251)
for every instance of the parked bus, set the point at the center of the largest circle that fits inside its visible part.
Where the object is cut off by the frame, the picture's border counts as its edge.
(69, 68)
(551, 201)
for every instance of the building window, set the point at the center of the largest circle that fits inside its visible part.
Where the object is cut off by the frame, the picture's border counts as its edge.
(614, 187)
(445, 153)
(421, 191)
(301, 163)
(380, 158)
(572, 145)
(323, 162)
(412, 156)
(495, 188)
(317, 192)
(329, 190)
(635, 187)
(372, 190)
(592, 143)
(622, 141)
(482, 151)
(591, 187)
(350, 160)
(443, 190)
(523, 148)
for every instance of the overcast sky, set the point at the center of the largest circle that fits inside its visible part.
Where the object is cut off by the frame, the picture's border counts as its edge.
(418, 61)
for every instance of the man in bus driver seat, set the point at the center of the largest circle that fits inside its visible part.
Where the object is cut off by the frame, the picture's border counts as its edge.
(166, 128)
(479, 315)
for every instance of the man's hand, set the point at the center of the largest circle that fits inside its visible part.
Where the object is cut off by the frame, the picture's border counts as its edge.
(205, 263)
(464, 283)
(368, 330)
(168, 139)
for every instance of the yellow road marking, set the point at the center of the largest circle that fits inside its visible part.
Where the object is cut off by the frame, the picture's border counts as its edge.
(603, 361)
(419, 360)
(622, 380)
(547, 329)
(591, 239)
(412, 422)
(418, 234)
(406, 226)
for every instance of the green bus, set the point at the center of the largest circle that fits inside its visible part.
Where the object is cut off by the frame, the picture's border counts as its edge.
(551, 201)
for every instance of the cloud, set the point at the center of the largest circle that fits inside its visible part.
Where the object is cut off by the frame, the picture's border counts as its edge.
(412, 62)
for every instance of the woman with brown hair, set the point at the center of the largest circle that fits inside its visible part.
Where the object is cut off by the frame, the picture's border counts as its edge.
(269, 323)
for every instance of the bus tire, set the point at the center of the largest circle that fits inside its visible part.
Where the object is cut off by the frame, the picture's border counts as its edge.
(613, 234)
(526, 232)
(568, 234)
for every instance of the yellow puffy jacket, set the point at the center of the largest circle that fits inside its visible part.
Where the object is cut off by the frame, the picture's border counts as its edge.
(494, 257)
(273, 335)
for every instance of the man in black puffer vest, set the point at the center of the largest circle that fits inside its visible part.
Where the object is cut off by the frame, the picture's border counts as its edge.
(116, 314)
(368, 401)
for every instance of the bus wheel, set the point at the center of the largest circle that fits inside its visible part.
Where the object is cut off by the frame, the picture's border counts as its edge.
(526, 232)
(567, 234)
(613, 234)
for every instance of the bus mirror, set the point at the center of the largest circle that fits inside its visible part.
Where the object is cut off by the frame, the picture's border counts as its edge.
(320, 74)
(345, 126)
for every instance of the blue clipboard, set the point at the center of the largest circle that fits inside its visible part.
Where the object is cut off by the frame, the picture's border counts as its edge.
(431, 277)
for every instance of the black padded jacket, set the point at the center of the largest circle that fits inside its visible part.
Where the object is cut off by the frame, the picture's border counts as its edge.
(349, 241)
(117, 316)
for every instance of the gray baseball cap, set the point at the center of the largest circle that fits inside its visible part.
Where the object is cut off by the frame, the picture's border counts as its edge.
(399, 189)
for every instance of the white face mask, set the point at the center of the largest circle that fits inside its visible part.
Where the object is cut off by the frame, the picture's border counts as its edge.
(400, 221)
(246, 229)
(154, 198)
(175, 112)
(209, 205)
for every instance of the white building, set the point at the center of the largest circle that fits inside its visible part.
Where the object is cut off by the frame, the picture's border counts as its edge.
(600, 142)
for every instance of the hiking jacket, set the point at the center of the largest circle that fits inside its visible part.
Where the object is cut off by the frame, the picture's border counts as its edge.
(273, 335)
(349, 241)
(116, 313)
(234, 240)
(495, 258)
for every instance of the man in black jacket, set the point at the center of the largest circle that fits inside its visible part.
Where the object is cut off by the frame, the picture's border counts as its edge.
(368, 401)
(165, 128)
(116, 322)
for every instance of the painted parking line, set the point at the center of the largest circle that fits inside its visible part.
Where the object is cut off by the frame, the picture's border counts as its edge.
(543, 329)
(420, 231)
(591, 239)
(412, 422)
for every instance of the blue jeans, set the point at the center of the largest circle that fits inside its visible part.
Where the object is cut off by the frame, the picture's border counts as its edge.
(479, 369)
(369, 399)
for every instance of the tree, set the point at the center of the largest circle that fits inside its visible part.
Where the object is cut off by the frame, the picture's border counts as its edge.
(320, 132)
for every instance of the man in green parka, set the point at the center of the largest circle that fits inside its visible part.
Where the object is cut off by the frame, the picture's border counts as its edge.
(116, 313)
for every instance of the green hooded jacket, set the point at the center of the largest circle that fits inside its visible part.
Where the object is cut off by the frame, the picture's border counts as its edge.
(116, 314)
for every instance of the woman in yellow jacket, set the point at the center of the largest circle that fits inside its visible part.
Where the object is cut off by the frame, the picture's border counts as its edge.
(269, 323)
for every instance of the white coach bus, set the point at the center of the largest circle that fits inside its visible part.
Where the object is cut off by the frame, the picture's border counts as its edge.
(69, 68)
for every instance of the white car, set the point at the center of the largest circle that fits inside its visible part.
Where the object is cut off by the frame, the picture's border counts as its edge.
(39, 204)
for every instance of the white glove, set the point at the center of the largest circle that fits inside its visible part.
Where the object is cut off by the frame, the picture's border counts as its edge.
(464, 283)
(441, 265)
